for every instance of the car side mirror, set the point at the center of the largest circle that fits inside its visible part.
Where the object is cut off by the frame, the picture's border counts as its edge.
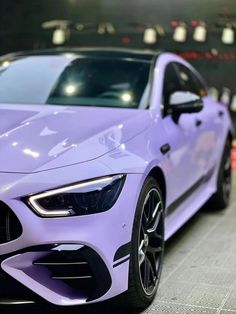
(184, 102)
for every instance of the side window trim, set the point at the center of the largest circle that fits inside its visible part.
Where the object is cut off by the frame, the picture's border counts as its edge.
(197, 85)
(165, 104)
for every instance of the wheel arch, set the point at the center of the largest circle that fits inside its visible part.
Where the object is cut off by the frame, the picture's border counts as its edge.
(158, 174)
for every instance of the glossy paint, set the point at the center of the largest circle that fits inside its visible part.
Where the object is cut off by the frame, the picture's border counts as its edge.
(38, 138)
(44, 147)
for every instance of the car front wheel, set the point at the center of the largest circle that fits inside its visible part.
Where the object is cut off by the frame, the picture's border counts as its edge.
(147, 246)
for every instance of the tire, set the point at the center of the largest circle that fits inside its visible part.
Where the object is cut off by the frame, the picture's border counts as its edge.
(221, 199)
(147, 247)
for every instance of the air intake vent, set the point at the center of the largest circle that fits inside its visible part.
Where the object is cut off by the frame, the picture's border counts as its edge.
(83, 270)
(71, 268)
(10, 227)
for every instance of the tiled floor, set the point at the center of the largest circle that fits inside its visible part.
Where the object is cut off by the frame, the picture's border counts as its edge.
(199, 275)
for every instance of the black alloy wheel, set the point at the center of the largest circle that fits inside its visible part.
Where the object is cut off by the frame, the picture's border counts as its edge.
(151, 244)
(147, 247)
(221, 199)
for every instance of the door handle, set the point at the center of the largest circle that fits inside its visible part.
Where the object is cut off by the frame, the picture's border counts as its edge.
(165, 148)
(198, 123)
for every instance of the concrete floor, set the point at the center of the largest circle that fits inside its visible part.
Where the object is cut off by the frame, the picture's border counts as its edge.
(199, 274)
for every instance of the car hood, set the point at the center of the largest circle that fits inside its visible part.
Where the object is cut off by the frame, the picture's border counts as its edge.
(41, 137)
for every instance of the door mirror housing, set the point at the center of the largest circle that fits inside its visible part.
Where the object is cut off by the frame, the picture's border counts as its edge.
(184, 102)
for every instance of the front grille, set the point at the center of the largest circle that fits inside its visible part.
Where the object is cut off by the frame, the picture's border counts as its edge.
(82, 270)
(10, 227)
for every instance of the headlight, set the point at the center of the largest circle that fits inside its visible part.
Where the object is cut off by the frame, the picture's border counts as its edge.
(89, 197)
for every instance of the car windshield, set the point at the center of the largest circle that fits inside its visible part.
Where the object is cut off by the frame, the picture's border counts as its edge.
(75, 81)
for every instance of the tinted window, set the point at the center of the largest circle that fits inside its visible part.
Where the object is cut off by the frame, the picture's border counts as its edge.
(74, 81)
(201, 88)
(189, 82)
(171, 82)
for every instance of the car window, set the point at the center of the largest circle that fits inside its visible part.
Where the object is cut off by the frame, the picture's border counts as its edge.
(171, 83)
(201, 88)
(189, 81)
(82, 81)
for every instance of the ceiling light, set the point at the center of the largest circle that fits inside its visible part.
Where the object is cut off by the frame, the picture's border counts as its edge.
(79, 27)
(200, 32)
(180, 33)
(59, 36)
(150, 36)
(233, 104)
(214, 52)
(110, 28)
(225, 97)
(105, 28)
(214, 93)
(160, 30)
(228, 35)
(61, 30)
(101, 29)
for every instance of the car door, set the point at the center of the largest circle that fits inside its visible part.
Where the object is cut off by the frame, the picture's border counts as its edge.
(185, 171)
(205, 121)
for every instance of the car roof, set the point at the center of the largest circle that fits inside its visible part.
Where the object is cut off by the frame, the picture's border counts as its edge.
(116, 53)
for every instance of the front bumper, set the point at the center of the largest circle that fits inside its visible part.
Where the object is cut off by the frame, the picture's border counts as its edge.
(93, 251)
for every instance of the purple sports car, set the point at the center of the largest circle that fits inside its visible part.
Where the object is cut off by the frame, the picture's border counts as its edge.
(105, 154)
